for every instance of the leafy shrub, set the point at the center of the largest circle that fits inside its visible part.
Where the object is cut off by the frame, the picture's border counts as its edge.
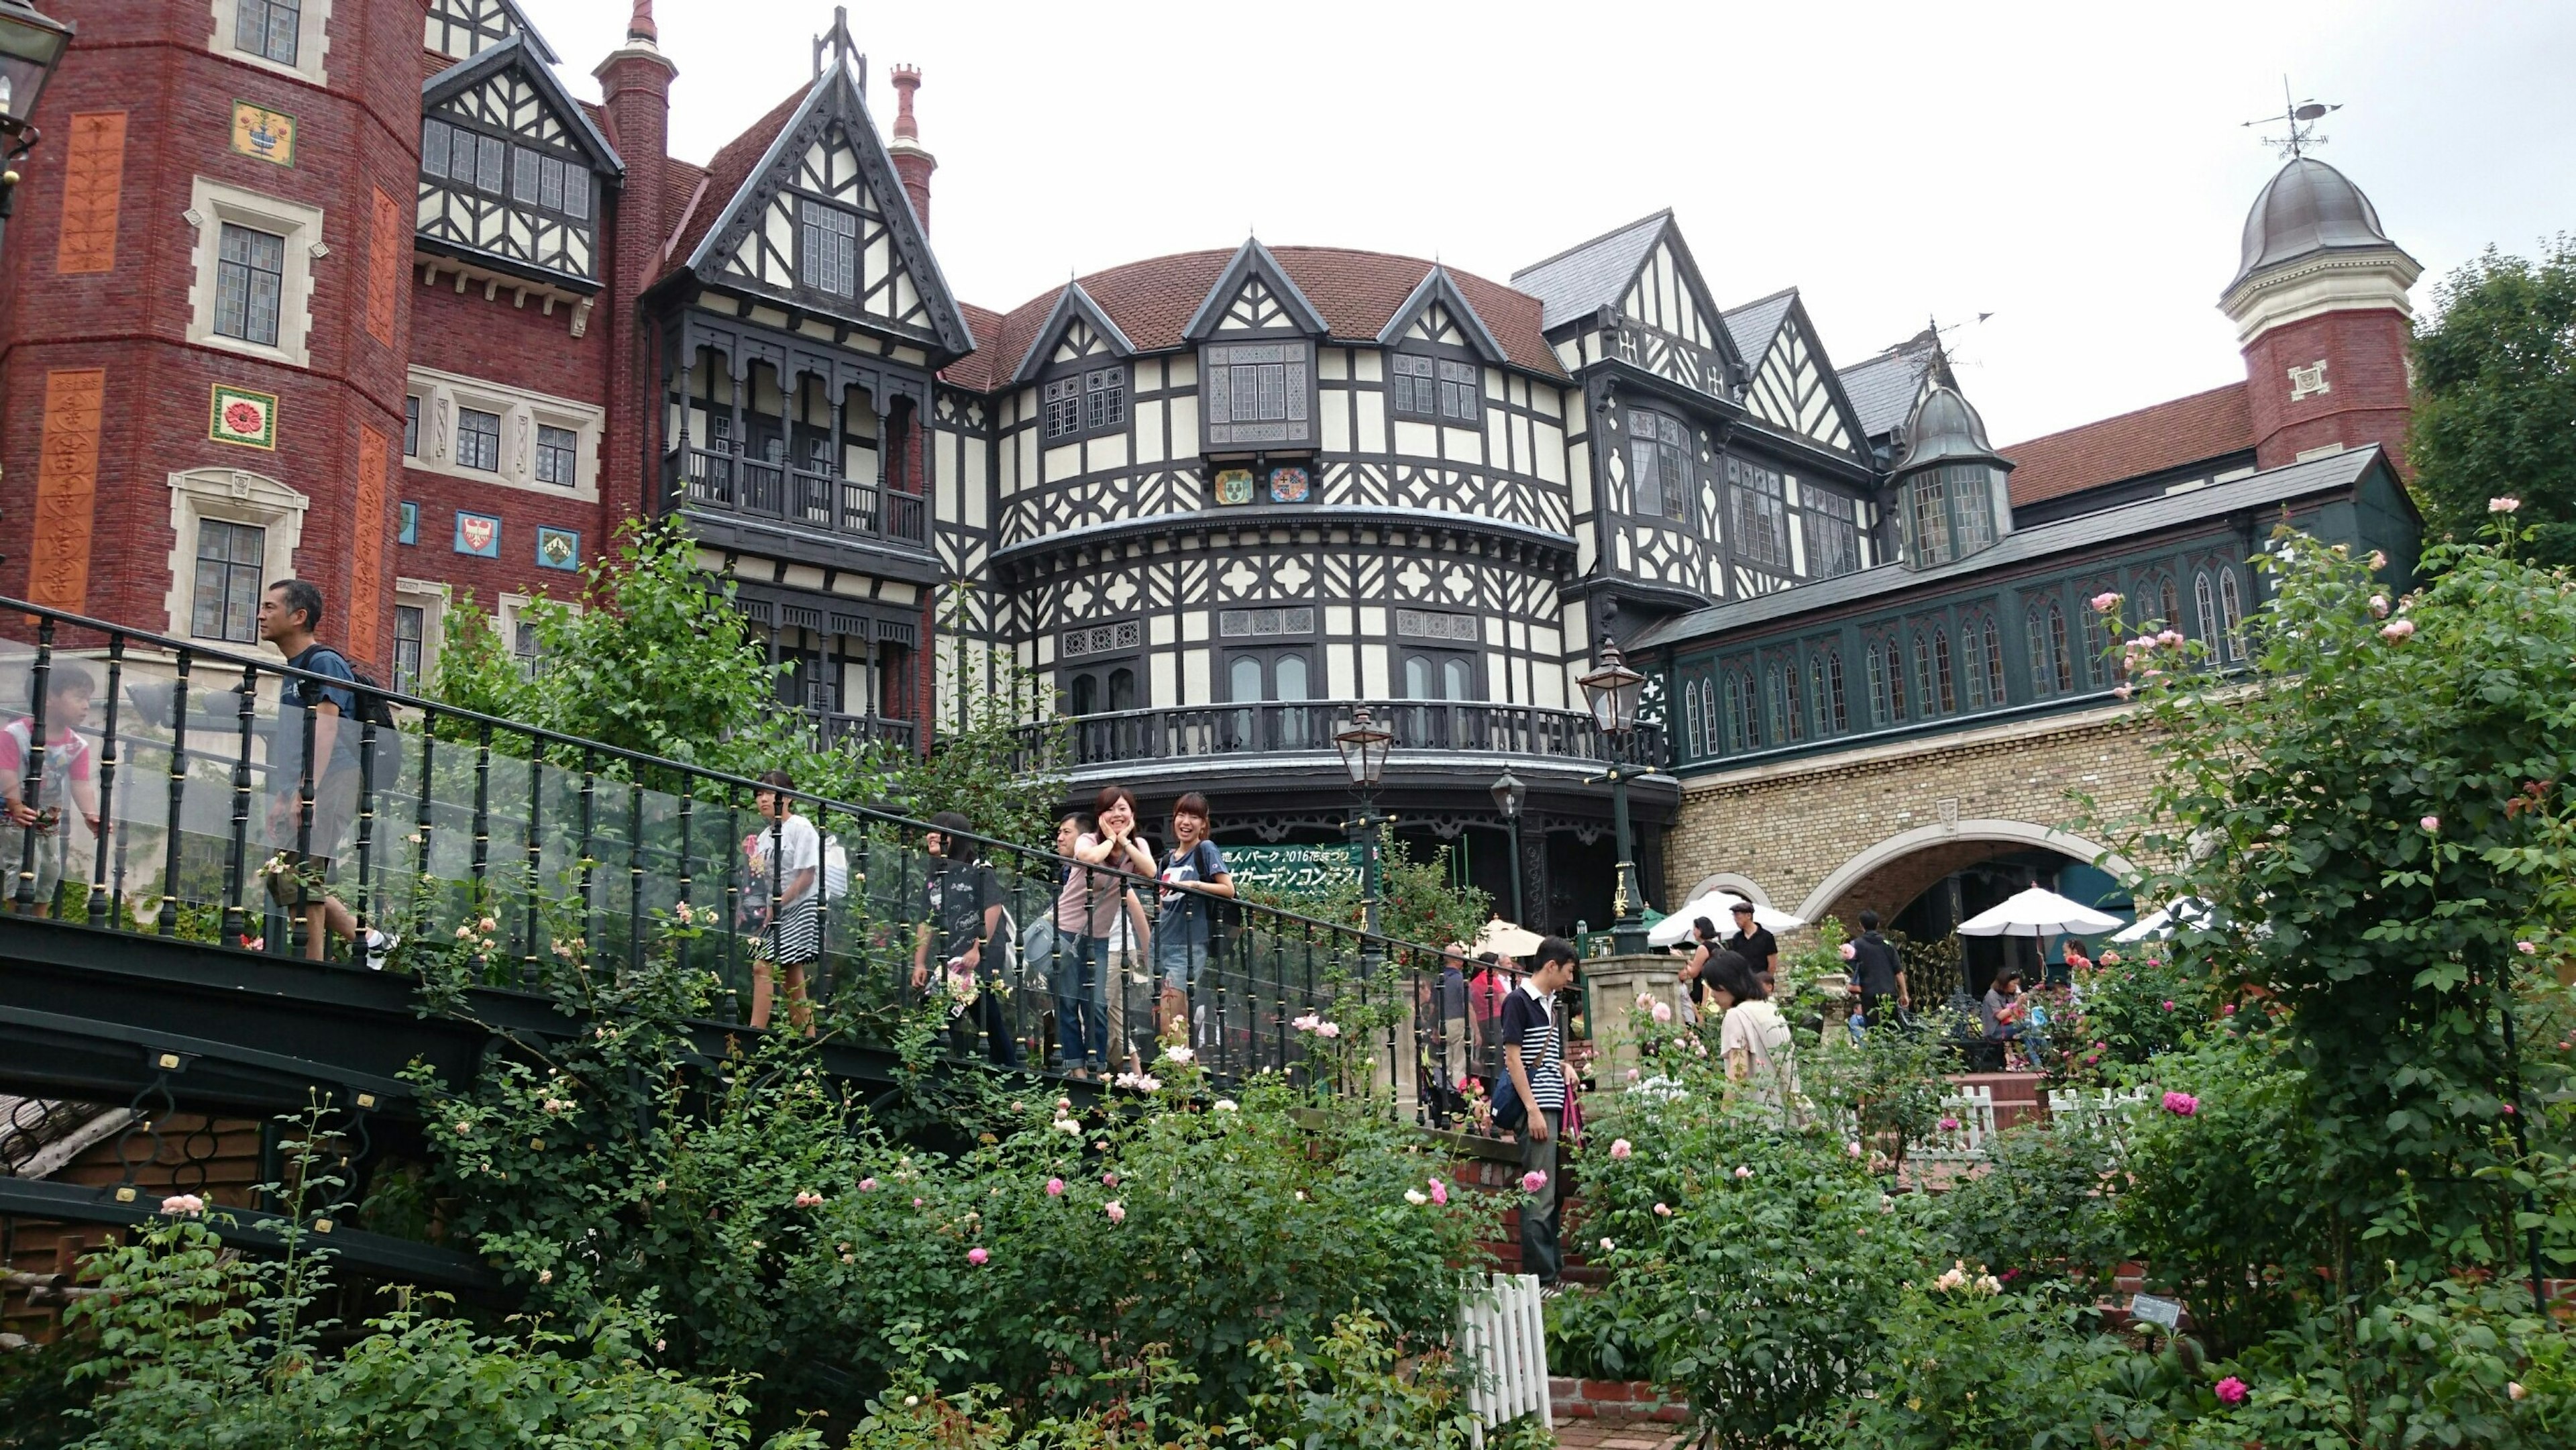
(2131, 1006)
(1965, 1365)
(2043, 1208)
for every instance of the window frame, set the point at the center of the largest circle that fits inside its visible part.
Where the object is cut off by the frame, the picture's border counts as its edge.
(463, 460)
(1448, 392)
(235, 496)
(312, 40)
(1084, 398)
(1670, 442)
(1759, 504)
(251, 270)
(1833, 530)
(842, 259)
(1294, 431)
(255, 568)
(566, 448)
(215, 205)
(515, 147)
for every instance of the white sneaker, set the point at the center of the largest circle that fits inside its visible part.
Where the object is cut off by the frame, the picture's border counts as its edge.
(380, 945)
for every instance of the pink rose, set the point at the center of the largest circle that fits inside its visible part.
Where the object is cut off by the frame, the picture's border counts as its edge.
(867, 1185)
(977, 1256)
(2104, 602)
(1620, 1149)
(2397, 630)
(2431, 823)
(1608, 1247)
(1849, 951)
(1743, 1170)
(1662, 1012)
(1663, 1210)
(1851, 1150)
(2110, 959)
(2379, 606)
(2169, 637)
(2169, 1004)
(2227, 1011)
(1949, 1125)
(1117, 1211)
(2181, 1105)
(2526, 948)
(1055, 1188)
(183, 1205)
(1109, 1180)
(1439, 1192)
(2504, 504)
(1533, 1181)
(2232, 1390)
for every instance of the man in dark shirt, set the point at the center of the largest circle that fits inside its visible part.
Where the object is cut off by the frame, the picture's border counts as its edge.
(289, 613)
(1534, 1058)
(1878, 975)
(962, 914)
(1754, 943)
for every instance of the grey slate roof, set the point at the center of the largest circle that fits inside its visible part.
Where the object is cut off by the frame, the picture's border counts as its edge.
(1583, 278)
(2084, 531)
(1883, 389)
(1754, 324)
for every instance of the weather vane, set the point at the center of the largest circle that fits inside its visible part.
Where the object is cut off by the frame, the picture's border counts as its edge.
(2301, 118)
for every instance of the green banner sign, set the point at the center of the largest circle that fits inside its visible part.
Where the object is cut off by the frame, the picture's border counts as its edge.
(1295, 870)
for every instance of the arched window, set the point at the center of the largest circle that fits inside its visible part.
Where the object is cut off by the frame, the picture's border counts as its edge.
(1994, 663)
(1895, 680)
(1690, 719)
(1876, 668)
(1708, 708)
(1923, 672)
(2097, 648)
(2052, 671)
(2160, 592)
(1941, 668)
(1825, 690)
(1743, 727)
(2042, 668)
(1789, 681)
(2231, 616)
(1775, 705)
(2205, 602)
(1972, 645)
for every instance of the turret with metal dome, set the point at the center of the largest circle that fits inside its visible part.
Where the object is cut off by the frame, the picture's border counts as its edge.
(2320, 306)
(1950, 499)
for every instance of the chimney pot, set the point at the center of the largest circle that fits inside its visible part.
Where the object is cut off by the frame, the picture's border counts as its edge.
(640, 26)
(911, 161)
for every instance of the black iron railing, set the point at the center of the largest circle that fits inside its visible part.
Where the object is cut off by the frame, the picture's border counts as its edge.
(740, 483)
(177, 797)
(1307, 726)
(840, 729)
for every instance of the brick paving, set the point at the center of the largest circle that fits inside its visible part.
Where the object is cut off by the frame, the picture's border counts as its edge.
(1615, 1435)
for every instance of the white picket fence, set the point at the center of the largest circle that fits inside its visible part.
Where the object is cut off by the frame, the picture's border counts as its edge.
(1973, 1109)
(1503, 1337)
(2111, 1110)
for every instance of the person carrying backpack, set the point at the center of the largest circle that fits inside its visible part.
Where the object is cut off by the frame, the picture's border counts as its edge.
(289, 613)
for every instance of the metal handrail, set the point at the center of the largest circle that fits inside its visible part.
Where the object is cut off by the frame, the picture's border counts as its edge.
(1307, 727)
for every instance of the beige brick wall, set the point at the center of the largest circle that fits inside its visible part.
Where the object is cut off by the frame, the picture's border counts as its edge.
(1882, 823)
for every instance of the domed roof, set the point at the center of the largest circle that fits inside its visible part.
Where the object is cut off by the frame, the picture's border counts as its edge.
(2306, 207)
(1944, 428)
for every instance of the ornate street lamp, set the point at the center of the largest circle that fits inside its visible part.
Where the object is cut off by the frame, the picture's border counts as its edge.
(1364, 744)
(31, 45)
(1613, 691)
(1508, 794)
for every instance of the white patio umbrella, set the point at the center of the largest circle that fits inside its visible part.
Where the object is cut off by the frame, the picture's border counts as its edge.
(1503, 937)
(2157, 925)
(1719, 907)
(2035, 913)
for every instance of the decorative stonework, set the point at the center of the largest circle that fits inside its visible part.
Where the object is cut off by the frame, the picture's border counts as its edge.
(93, 179)
(66, 487)
(367, 542)
(388, 266)
(2309, 381)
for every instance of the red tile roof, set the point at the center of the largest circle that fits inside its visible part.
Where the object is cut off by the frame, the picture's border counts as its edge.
(726, 173)
(981, 369)
(2167, 435)
(1357, 293)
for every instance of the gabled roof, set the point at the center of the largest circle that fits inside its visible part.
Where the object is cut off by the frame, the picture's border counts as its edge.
(1754, 324)
(1070, 303)
(1591, 275)
(1438, 286)
(1249, 258)
(529, 60)
(2084, 531)
(977, 371)
(726, 172)
(834, 96)
(1883, 390)
(2168, 435)
(1356, 292)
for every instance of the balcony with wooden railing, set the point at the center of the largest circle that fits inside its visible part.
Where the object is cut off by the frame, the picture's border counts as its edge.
(1306, 727)
(717, 477)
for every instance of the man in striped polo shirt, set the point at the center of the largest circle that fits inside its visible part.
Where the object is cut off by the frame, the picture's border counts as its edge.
(1534, 1055)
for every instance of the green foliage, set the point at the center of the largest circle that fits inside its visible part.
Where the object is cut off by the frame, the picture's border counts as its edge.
(1419, 899)
(785, 1234)
(1963, 1366)
(2495, 386)
(43, 1394)
(2129, 1007)
(2043, 1210)
(2376, 798)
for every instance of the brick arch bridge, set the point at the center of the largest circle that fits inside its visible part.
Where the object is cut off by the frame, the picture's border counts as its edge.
(1833, 832)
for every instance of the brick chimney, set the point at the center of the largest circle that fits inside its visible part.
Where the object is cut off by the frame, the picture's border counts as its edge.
(635, 92)
(911, 162)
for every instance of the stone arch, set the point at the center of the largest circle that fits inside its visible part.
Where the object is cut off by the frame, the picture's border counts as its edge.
(1729, 881)
(1932, 852)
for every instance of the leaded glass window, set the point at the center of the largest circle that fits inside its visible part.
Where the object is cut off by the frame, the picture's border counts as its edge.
(1104, 398)
(1411, 391)
(828, 255)
(250, 277)
(1761, 513)
(409, 623)
(478, 440)
(1061, 405)
(1833, 533)
(1461, 392)
(229, 560)
(1258, 392)
(558, 455)
(2231, 615)
(269, 29)
(1743, 725)
(1833, 715)
(1659, 457)
(1972, 506)
(2205, 601)
(1931, 516)
(411, 427)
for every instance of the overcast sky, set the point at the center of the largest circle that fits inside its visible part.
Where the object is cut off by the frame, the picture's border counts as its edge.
(2078, 171)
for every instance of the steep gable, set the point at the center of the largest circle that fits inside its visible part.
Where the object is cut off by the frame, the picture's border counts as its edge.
(464, 29)
(821, 223)
(1254, 295)
(1438, 312)
(1795, 389)
(1588, 276)
(512, 171)
(1076, 328)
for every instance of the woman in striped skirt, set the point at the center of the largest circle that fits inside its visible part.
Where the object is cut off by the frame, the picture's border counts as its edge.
(787, 890)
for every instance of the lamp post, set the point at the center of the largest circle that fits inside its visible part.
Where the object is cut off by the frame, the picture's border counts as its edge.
(1613, 691)
(1364, 744)
(1508, 794)
(31, 45)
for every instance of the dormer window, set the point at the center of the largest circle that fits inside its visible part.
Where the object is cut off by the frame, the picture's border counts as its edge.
(1258, 394)
(827, 256)
(1091, 401)
(1949, 513)
(494, 167)
(1424, 387)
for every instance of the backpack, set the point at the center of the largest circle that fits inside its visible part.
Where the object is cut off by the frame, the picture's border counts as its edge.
(373, 708)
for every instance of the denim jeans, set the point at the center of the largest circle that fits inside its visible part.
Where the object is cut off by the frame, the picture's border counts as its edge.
(1542, 1211)
(1079, 977)
(1181, 960)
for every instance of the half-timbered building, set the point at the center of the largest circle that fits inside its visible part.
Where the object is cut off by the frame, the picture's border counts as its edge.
(1210, 503)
